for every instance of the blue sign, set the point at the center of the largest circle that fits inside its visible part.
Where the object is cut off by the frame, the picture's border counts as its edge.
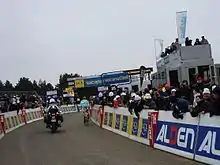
(115, 78)
(135, 126)
(117, 122)
(93, 81)
(144, 131)
(176, 135)
(106, 118)
(110, 119)
(125, 123)
(208, 144)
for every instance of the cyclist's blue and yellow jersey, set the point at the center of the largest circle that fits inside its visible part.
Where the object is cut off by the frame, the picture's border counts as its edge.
(84, 103)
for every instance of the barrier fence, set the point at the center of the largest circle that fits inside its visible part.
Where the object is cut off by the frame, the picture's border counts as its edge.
(11, 120)
(194, 138)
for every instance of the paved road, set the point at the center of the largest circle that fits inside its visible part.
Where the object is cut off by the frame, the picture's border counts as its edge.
(75, 144)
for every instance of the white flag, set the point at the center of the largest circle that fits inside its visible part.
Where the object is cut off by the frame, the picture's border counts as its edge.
(160, 41)
(181, 25)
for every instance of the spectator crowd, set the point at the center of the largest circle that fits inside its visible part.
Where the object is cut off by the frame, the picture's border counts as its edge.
(180, 100)
(12, 102)
(188, 42)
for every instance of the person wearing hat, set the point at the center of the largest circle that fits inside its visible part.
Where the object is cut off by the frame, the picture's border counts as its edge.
(206, 93)
(131, 103)
(148, 101)
(139, 105)
(173, 97)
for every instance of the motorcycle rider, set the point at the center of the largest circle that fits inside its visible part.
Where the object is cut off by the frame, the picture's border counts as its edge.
(52, 106)
(85, 105)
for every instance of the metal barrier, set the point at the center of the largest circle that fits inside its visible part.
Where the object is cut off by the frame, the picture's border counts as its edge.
(194, 138)
(11, 120)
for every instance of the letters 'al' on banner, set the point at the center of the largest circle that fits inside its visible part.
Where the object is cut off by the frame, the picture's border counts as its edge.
(181, 18)
(79, 83)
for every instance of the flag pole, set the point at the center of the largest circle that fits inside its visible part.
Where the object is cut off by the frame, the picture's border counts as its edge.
(155, 50)
(155, 54)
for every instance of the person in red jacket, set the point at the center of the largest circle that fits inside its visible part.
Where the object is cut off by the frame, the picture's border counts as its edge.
(116, 101)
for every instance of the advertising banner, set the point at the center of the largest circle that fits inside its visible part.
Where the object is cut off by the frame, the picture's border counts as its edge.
(208, 142)
(181, 18)
(8, 123)
(93, 81)
(70, 91)
(115, 78)
(95, 115)
(13, 121)
(106, 118)
(16, 121)
(152, 127)
(124, 123)
(176, 135)
(79, 83)
(135, 126)
(117, 122)
(110, 119)
(144, 131)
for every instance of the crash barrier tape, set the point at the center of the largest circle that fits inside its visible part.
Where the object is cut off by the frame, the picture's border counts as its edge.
(11, 120)
(194, 138)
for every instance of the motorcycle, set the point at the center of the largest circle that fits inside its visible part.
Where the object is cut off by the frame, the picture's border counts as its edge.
(54, 122)
(86, 117)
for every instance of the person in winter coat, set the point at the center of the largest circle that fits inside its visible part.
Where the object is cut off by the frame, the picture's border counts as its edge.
(159, 101)
(139, 105)
(215, 110)
(202, 104)
(186, 92)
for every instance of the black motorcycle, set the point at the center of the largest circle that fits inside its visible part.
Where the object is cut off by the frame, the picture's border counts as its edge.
(54, 122)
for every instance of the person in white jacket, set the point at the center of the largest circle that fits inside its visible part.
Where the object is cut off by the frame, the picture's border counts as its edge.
(52, 105)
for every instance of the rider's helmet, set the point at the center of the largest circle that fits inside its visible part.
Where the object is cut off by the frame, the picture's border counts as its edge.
(84, 97)
(52, 101)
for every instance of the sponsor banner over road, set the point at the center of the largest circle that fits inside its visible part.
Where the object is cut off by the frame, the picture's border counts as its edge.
(93, 81)
(115, 78)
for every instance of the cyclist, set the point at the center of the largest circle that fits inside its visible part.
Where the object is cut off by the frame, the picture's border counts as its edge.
(85, 105)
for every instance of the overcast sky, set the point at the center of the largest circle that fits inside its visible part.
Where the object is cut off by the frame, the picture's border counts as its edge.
(44, 38)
